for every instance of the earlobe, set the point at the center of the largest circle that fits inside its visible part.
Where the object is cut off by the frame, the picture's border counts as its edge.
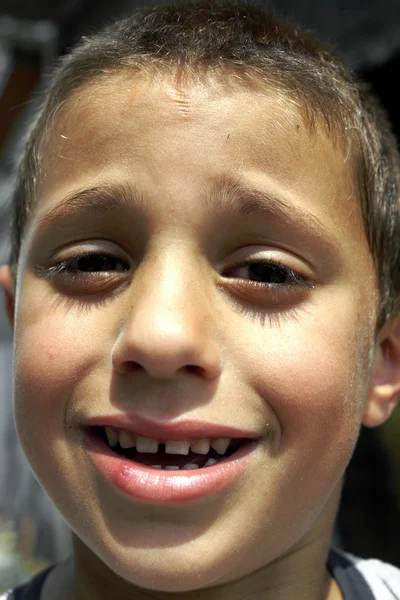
(385, 385)
(6, 282)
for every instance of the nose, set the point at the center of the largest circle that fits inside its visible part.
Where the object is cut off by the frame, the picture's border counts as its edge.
(167, 329)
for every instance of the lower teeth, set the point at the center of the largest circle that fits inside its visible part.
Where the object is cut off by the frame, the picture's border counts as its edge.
(209, 463)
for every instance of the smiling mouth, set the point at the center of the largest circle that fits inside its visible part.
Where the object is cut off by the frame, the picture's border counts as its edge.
(168, 455)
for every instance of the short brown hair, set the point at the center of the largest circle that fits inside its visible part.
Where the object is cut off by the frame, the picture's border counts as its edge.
(241, 39)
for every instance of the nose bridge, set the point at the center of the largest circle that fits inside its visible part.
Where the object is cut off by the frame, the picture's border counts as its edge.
(164, 295)
(167, 328)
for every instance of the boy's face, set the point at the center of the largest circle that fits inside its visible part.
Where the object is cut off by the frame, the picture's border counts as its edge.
(191, 326)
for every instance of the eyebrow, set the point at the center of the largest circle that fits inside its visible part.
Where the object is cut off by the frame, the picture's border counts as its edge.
(253, 202)
(102, 200)
(227, 195)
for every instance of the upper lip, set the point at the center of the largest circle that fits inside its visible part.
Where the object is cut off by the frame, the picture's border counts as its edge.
(171, 430)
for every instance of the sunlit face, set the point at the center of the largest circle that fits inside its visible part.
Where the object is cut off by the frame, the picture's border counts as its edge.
(198, 257)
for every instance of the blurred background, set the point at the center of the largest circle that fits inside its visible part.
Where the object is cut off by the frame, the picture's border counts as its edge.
(33, 33)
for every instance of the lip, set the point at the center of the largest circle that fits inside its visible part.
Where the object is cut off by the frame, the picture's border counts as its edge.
(174, 431)
(145, 484)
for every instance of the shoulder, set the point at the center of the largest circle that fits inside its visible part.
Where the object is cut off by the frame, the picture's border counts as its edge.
(369, 579)
(383, 579)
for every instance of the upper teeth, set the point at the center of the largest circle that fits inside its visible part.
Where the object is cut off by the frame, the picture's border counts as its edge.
(143, 444)
(126, 439)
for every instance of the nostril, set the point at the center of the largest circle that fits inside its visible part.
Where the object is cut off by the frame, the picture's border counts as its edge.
(130, 367)
(195, 369)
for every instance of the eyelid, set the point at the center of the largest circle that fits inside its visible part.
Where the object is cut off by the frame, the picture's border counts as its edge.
(297, 279)
(86, 247)
(70, 281)
(259, 254)
(60, 264)
(63, 266)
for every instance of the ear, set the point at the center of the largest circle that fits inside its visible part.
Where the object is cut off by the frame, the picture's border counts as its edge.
(6, 282)
(385, 385)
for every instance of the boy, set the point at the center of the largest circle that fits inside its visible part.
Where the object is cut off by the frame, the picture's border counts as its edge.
(204, 291)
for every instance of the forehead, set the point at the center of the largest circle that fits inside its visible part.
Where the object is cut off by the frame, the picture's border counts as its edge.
(154, 134)
(261, 121)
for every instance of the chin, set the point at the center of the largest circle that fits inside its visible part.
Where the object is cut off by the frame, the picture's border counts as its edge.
(166, 574)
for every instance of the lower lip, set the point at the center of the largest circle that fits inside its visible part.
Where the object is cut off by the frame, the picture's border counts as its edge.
(140, 482)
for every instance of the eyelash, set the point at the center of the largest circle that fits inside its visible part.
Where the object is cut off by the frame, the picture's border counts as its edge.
(276, 268)
(69, 265)
(69, 268)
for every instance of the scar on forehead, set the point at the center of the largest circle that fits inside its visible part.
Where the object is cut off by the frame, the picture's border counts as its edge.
(180, 98)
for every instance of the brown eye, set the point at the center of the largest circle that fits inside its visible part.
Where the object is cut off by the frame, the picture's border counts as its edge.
(90, 263)
(88, 273)
(83, 265)
(268, 273)
(265, 272)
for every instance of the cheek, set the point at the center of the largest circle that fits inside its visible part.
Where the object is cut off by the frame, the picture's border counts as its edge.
(55, 352)
(314, 378)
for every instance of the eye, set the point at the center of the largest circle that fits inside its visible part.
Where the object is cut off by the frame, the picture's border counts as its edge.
(269, 273)
(87, 273)
(91, 263)
(268, 283)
